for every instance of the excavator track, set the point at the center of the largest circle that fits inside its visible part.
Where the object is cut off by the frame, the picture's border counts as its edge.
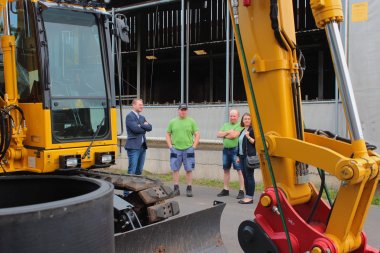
(150, 197)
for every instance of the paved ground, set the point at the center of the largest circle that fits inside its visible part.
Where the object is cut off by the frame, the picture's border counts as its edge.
(235, 213)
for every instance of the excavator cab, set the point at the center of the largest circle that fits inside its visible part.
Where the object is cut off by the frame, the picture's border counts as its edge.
(64, 85)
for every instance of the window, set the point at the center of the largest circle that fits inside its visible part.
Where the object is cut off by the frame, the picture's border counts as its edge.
(78, 87)
(22, 26)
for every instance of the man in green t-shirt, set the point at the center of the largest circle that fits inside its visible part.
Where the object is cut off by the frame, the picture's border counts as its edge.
(182, 137)
(230, 133)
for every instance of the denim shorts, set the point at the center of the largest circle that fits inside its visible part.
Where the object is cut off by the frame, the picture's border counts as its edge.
(230, 156)
(185, 157)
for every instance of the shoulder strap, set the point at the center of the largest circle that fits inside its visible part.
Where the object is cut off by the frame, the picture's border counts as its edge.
(246, 143)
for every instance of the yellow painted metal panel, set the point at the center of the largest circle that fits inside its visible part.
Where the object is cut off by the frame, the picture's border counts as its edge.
(359, 12)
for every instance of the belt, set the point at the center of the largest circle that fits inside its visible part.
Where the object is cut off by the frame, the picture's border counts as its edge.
(230, 148)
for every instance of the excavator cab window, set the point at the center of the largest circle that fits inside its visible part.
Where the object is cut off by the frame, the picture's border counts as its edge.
(22, 26)
(77, 78)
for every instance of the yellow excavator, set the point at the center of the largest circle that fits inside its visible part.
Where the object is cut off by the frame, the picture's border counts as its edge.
(291, 216)
(58, 124)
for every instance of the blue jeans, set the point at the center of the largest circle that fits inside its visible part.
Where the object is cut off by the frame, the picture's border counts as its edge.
(249, 179)
(136, 159)
(230, 156)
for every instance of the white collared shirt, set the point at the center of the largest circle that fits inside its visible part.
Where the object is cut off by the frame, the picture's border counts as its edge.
(138, 116)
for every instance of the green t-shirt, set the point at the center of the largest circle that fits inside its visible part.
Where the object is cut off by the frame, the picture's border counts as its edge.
(227, 143)
(182, 132)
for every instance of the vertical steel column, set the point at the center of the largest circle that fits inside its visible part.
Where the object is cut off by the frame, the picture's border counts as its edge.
(320, 74)
(343, 76)
(232, 64)
(187, 50)
(140, 55)
(113, 37)
(182, 51)
(211, 77)
(227, 59)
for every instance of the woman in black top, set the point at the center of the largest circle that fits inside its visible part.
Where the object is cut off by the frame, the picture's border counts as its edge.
(247, 148)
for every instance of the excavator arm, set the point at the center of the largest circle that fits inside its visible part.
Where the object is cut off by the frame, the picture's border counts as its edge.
(291, 216)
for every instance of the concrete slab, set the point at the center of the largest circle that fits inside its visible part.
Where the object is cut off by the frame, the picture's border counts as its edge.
(235, 213)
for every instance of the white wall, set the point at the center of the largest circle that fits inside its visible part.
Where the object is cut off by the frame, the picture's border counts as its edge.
(317, 115)
(363, 60)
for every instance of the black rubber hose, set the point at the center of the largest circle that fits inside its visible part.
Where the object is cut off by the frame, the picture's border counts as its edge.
(337, 137)
(2, 132)
(5, 139)
(315, 205)
(326, 190)
(296, 110)
(2, 138)
(18, 108)
(8, 135)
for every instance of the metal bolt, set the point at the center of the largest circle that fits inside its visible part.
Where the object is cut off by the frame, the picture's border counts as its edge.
(328, 250)
(266, 201)
(347, 172)
(253, 70)
(275, 210)
(344, 183)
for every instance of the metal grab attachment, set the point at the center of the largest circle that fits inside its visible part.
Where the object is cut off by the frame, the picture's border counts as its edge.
(124, 216)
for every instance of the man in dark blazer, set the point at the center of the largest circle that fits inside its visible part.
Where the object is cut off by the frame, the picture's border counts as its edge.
(136, 146)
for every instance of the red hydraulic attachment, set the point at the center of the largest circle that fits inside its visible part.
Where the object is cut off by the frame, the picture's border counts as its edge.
(304, 236)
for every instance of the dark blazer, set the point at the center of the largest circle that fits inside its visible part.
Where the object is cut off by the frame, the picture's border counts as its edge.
(136, 131)
(248, 148)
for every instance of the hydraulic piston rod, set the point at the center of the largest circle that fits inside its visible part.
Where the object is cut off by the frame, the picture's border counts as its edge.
(343, 76)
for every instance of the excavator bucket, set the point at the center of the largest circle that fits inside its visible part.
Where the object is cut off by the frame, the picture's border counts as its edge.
(195, 232)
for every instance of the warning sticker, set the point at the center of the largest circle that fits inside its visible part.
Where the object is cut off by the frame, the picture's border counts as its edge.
(31, 162)
(359, 12)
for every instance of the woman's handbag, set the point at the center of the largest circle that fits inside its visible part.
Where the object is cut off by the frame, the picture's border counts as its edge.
(252, 162)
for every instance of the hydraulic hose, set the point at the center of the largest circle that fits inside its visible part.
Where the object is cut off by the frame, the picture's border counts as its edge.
(7, 123)
(325, 188)
(318, 200)
(267, 158)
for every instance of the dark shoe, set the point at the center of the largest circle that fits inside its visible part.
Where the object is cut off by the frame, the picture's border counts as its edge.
(240, 195)
(176, 191)
(189, 191)
(245, 202)
(223, 193)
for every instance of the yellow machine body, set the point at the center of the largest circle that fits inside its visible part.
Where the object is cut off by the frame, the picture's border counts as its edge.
(32, 148)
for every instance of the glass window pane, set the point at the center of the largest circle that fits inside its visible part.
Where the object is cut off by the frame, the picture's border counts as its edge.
(78, 89)
(79, 119)
(22, 26)
(75, 59)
